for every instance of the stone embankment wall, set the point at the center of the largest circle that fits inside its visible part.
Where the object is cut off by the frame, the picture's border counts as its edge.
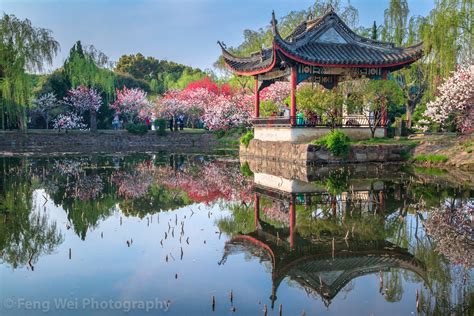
(103, 142)
(305, 154)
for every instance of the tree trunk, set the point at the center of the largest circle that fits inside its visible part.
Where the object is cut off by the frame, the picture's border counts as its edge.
(372, 131)
(46, 119)
(408, 114)
(93, 121)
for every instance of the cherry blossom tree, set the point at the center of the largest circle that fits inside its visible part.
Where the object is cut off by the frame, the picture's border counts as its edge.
(171, 104)
(131, 103)
(83, 99)
(455, 101)
(219, 108)
(276, 93)
(208, 84)
(228, 112)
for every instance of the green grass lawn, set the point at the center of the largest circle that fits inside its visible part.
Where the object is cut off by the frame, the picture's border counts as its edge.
(388, 141)
(431, 158)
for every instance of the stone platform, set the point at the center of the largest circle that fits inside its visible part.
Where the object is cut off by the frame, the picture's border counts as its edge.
(308, 134)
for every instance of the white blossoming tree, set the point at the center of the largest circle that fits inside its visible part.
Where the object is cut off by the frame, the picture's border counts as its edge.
(83, 99)
(44, 104)
(69, 121)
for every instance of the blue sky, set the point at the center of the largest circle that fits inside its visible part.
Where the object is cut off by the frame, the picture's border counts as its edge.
(185, 31)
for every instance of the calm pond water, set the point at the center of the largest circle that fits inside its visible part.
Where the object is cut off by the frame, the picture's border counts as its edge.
(107, 235)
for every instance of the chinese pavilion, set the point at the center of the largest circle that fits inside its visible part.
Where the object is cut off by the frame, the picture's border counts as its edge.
(322, 50)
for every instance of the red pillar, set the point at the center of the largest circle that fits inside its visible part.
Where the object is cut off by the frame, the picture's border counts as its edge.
(384, 108)
(292, 221)
(293, 95)
(256, 208)
(257, 99)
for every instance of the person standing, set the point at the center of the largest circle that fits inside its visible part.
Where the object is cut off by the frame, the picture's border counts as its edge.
(286, 111)
(148, 123)
(116, 122)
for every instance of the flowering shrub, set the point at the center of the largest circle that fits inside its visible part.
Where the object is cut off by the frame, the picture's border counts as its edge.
(227, 112)
(455, 101)
(69, 121)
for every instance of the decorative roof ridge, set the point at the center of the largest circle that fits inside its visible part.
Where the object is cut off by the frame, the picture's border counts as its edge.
(274, 22)
(354, 37)
(415, 47)
(255, 56)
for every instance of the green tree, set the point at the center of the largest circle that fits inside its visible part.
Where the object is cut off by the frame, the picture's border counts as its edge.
(86, 67)
(23, 47)
(380, 96)
(395, 25)
(374, 34)
(326, 103)
(138, 66)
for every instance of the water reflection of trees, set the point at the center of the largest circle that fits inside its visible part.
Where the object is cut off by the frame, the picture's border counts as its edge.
(26, 233)
(90, 189)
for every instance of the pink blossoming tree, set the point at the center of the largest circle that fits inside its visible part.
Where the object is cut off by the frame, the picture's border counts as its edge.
(131, 103)
(455, 101)
(277, 93)
(218, 109)
(83, 99)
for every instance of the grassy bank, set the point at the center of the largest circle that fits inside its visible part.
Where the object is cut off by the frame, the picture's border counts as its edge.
(445, 151)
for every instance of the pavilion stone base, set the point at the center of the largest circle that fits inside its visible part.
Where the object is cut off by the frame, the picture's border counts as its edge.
(313, 172)
(306, 154)
(307, 134)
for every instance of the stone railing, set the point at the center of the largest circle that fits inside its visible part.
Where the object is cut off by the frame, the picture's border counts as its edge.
(349, 121)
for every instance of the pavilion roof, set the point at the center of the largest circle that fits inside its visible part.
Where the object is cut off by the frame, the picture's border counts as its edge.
(316, 268)
(326, 42)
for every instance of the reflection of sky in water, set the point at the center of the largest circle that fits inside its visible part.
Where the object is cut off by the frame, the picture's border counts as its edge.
(105, 268)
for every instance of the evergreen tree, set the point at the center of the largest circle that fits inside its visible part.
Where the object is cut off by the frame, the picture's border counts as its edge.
(374, 31)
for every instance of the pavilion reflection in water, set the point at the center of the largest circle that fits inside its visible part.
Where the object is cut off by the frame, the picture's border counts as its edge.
(324, 265)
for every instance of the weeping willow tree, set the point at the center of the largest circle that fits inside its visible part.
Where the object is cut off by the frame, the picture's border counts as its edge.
(23, 47)
(86, 67)
(395, 22)
(448, 37)
(89, 67)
